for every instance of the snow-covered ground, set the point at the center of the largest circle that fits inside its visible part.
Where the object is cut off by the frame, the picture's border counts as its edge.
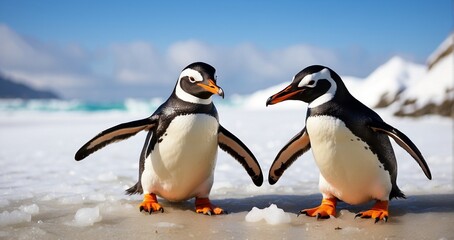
(46, 194)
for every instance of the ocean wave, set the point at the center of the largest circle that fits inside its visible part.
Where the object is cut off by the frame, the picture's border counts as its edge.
(128, 105)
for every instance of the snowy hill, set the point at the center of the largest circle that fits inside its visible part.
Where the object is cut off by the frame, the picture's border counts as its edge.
(384, 85)
(411, 89)
(379, 89)
(434, 92)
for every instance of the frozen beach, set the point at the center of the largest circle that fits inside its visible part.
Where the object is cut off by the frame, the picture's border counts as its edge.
(46, 194)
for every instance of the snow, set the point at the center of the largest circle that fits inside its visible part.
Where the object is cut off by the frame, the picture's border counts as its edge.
(107, 177)
(390, 78)
(433, 85)
(44, 188)
(53, 175)
(45, 191)
(272, 215)
(443, 47)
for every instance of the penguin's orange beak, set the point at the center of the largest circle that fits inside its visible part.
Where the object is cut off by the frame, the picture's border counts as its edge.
(283, 95)
(212, 87)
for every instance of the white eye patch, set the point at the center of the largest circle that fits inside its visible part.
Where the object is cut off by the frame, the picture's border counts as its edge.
(194, 76)
(310, 80)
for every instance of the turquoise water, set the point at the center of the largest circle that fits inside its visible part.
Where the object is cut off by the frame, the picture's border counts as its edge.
(127, 105)
(77, 105)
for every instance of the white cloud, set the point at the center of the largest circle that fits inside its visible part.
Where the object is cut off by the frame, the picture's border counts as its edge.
(17, 53)
(136, 62)
(185, 52)
(41, 65)
(138, 65)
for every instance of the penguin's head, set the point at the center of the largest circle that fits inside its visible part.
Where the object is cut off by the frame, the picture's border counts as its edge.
(197, 83)
(315, 85)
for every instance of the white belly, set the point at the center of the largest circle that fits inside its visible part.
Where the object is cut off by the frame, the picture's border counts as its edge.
(181, 166)
(349, 170)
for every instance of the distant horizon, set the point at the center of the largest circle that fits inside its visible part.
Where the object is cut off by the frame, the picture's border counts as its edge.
(163, 97)
(229, 97)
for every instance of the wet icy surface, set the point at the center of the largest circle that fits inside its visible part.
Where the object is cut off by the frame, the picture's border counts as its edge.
(46, 194)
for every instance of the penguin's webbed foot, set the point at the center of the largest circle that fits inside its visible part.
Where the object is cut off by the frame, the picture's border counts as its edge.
(150, 204)
(204, 206)
(378, 212)
(326, 209)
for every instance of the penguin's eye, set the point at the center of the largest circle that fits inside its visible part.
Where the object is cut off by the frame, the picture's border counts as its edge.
(191, 79)
(311, 83)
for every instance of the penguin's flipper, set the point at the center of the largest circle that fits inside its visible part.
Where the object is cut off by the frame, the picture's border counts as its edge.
(114, 134)
(404, 142)
(233, 146)
(296, 147)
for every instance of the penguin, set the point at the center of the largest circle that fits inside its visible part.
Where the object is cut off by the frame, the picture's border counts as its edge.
(179, 155)
(349, 142)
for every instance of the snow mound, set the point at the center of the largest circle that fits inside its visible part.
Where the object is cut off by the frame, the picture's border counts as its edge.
(435, 87)
(272, 215)
(383, 85)
(87, 217)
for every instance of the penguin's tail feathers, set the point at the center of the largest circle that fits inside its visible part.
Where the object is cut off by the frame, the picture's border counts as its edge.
(136, 189)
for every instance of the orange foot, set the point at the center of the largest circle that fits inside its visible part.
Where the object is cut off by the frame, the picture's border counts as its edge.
(203, 205)
(327, 208)
(378, 212)
(150, 204)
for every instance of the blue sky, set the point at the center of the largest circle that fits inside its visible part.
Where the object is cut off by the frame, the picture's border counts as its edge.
(137, 48)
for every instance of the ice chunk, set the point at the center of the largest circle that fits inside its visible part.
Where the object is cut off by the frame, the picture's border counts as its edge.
(87, 217)
(14, 217)
(30, 209)
(255, 215)
(272, 215)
